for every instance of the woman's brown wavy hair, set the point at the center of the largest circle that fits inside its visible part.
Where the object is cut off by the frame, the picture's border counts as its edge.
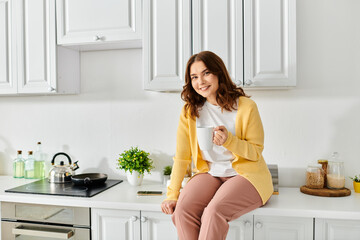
(227, 93)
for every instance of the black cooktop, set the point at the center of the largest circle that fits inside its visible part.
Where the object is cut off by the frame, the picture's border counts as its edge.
(63, 189)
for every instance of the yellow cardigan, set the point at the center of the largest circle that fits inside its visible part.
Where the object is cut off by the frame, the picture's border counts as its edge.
(247, 146)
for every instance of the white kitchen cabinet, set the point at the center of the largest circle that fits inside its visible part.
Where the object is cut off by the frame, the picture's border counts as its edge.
(157, 226)
(282, 228)
(269, 43)
(36, 47)
(110, 224)
(217, 27)
(266, 58)
(102, 23)
(241, 228)
(32, 62)
(335, 229)
(7, 48)
(166, 43)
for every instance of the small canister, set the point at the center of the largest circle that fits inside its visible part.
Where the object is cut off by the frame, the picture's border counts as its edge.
(314, 176)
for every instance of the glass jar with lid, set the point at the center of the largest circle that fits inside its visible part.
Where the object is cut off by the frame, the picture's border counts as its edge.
(335, 177)
(314, 176)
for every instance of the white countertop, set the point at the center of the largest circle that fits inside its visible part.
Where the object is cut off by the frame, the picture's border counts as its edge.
(289, 202)
(120, 196)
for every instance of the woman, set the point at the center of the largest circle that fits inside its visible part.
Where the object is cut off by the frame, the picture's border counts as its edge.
(232, 178)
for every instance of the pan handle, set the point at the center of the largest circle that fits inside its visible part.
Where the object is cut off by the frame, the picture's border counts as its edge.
(60, 153)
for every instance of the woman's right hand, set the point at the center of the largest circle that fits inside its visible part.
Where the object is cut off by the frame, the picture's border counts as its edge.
(168, 206)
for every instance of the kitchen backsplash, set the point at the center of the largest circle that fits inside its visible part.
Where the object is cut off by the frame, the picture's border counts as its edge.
(113, 112)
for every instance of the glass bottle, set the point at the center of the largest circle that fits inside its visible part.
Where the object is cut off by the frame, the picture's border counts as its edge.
(18, 165)
(39, 164)
(335, 172)
(30, 166)
(314, 176)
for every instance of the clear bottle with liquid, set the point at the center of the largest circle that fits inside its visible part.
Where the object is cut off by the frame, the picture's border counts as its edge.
(18, 165)
(39, 164)
(30, 166)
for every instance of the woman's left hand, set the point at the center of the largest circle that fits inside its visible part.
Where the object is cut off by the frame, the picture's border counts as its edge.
(220, 135)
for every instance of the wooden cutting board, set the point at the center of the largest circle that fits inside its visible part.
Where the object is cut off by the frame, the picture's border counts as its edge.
(326, 192)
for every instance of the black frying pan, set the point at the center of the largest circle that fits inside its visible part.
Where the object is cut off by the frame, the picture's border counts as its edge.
(89, 179)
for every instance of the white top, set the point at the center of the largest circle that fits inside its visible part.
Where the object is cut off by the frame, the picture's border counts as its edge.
(219, 158)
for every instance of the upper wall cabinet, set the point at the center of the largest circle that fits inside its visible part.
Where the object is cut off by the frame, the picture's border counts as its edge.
(99, 24)
(8, 82)
(217, 27)
(269, 43)
(167, 43)
(30, 61)
(257, 43)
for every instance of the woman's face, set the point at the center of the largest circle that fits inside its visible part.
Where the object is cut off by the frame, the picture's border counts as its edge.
(204, 82)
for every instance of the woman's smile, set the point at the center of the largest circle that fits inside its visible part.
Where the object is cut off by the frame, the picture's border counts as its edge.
(204, 88)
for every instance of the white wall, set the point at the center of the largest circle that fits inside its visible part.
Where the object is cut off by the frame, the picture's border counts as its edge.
(113, 112)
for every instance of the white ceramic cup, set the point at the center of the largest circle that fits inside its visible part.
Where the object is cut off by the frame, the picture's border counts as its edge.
(205, 137)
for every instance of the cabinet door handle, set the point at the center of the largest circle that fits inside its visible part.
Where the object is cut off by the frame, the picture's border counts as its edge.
(247, 224)
(258, 225)
(238, 83)
(133, 218)
(51, 89)
(98, 38)
(248, 82)
(143, 219)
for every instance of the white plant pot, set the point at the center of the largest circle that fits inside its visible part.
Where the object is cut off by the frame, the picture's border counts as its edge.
(134, 178)
(166, 179)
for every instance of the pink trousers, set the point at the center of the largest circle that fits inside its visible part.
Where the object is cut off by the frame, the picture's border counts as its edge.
(207, 204)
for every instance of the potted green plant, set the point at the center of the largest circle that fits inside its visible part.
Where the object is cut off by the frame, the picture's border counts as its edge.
(167, 172)
(135, 162)
(356, 182)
